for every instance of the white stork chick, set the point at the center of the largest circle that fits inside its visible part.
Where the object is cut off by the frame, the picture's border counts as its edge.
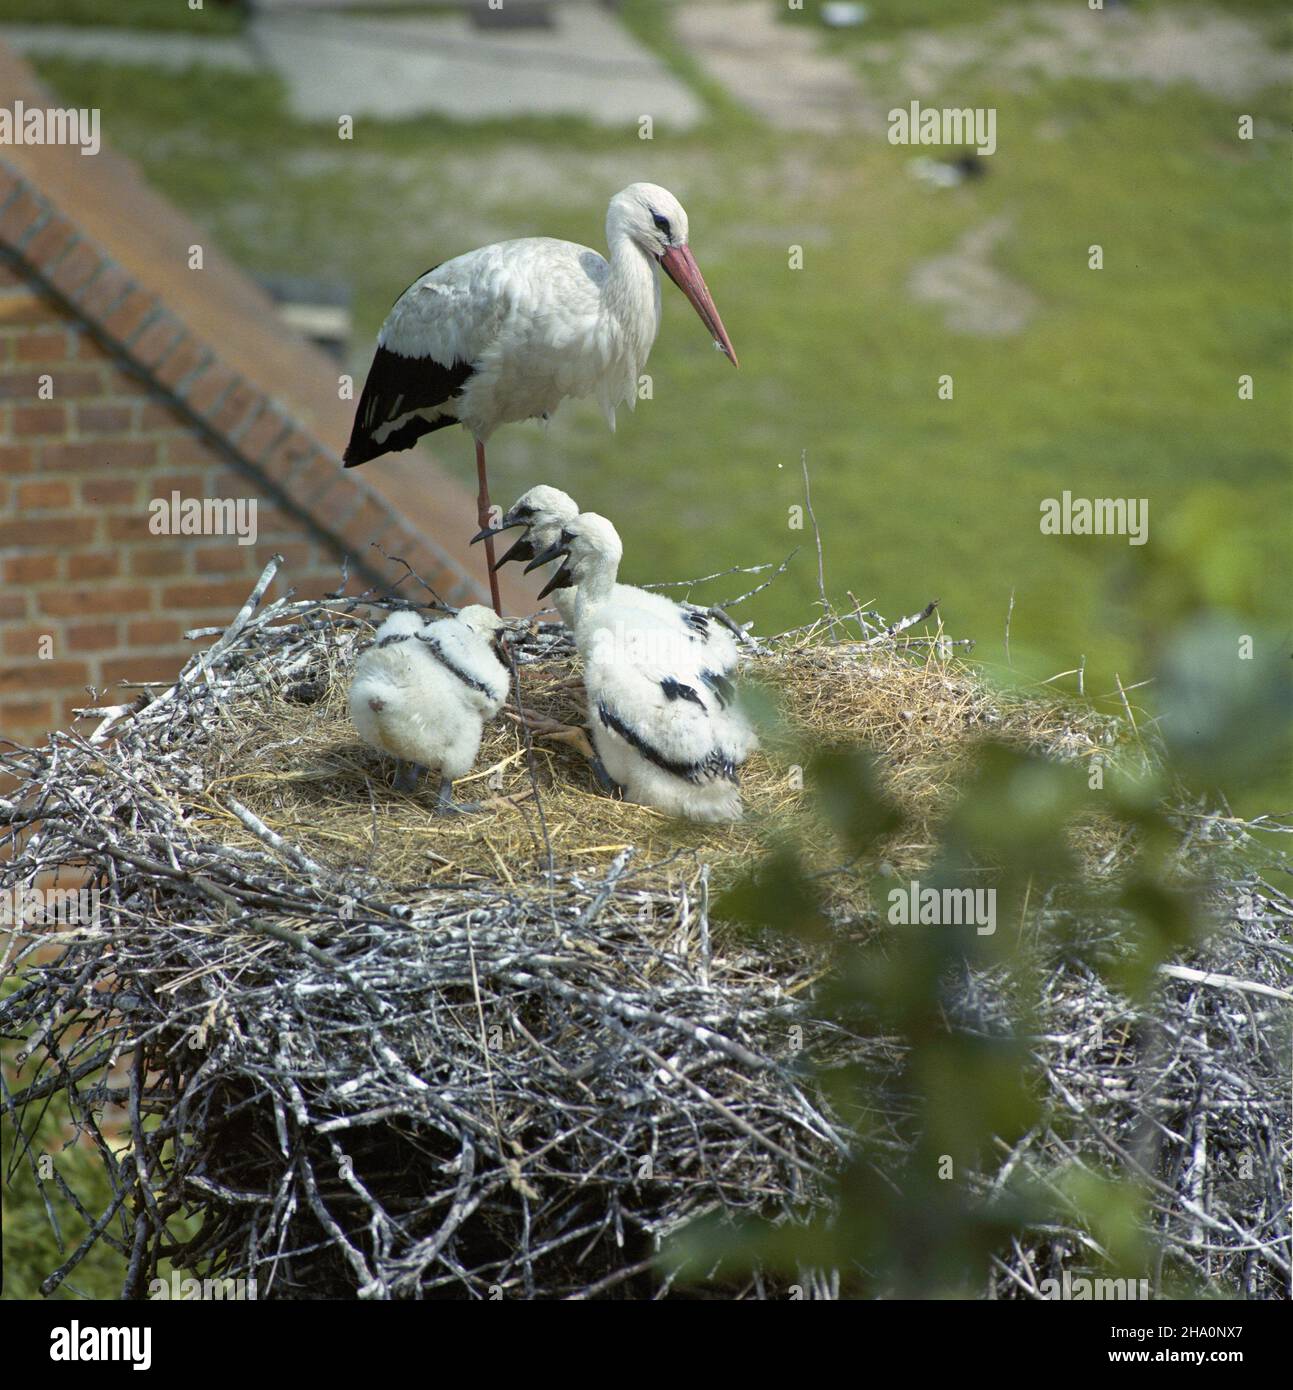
(664, 723)
(543, 511)
(424, 691)
(511, 330)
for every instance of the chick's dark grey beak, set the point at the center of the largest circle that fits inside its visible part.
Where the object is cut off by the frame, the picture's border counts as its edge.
(557, 549)
(563, 579)
(522, 550)
(486, 531)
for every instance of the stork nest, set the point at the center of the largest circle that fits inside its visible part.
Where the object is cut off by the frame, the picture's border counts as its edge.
(384, 1053)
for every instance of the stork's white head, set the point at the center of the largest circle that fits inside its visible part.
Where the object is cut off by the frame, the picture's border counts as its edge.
(651, 215)
(656, 222)
(481, 620)
(401, 624)
(592, 550)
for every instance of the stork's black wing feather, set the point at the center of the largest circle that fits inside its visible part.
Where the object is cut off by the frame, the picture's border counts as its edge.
(397, 385)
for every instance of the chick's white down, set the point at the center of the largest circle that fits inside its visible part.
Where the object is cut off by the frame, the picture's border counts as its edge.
(664, 722)
(545, 510)
(423, 691)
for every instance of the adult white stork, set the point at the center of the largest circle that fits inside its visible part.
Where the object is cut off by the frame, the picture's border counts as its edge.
(507, 332)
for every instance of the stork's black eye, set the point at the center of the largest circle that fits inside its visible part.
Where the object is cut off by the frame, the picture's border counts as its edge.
(521, 512)
(662, 223)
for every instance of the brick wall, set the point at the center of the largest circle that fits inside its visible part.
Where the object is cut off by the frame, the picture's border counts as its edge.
(80, 566)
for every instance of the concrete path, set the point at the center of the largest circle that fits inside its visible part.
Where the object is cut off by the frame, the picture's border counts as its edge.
(585, 64)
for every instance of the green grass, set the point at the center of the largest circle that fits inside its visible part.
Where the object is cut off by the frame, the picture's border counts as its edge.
(212, 18)
(1122, 384)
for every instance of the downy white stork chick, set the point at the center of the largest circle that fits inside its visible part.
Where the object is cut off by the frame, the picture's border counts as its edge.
(543, 511)
(424, 691)
(664, 723)
(509, 331)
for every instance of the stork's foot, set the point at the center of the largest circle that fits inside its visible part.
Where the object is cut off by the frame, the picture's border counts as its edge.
(605, 781)
(407, 775)
(541, 726)
(445, 805)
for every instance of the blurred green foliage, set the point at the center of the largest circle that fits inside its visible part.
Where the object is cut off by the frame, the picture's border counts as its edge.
(912, 1213)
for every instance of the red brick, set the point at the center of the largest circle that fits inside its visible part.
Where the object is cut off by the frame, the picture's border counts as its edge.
(26, 715)
(186, 484)
(69, 383)
(38, 419)
(131, 528)
(75, 268)
(18, 386)
(24, 641)
(108, 287)
(44, 494)
(156, 632)
(210, 387)
(17, 458)
(227, 596)
(34, 676)
(45, 346)
(138, 668)
(25, 307)
(317, 475)
(13, 605)
(158, 340)
(33, 535)
(73, 603)
(108, 492)
(295, 452)
(20, 215)
(180, 361)
(187, 449)
(335, 504)
(49, 242)
(86, 349)
(160, 560)
(129, 314)
(92, 454)
(93, 637)
(263, 431)
(238, 412)
(30, 569)
(222, 559)
(93, 564)
(103, 419)
(156, 415)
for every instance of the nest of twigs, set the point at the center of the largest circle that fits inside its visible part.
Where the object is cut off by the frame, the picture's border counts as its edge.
(387, 1054)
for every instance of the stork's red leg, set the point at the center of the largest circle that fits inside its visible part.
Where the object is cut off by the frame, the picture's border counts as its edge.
(482, 520)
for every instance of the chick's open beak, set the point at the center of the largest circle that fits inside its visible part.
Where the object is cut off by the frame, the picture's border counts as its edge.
(557, 549)
(563, 579)
(680, 266)
(522, 550)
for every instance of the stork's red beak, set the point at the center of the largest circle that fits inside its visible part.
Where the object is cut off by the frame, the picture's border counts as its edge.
(680, 266)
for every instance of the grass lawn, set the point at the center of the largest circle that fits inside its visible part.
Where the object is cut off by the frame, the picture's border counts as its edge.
(212, 18)
(1121, 383)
